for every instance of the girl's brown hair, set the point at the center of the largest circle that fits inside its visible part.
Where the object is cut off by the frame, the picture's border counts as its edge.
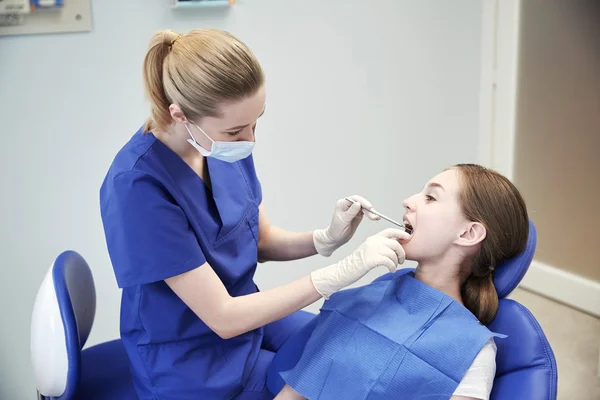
(197, 71)
(491, 199)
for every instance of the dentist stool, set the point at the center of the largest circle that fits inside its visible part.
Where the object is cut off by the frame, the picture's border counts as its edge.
(525, 364)
(63, 315)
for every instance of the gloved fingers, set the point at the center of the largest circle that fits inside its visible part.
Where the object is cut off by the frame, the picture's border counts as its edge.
(371, 216)
(343, 219)
(343, 207)
(363, 202)
(366, 204)
(387, 262)
(351, 212)
(389, 257)
(396, 247)
(394, 233)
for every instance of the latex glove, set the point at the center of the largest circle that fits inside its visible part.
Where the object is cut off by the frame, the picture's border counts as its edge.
(346, 218)
(382, 249)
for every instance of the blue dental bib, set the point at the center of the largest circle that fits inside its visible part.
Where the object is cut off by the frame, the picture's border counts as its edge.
(399, 339)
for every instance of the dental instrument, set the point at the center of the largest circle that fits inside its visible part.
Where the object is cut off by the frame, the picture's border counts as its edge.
(408, 230)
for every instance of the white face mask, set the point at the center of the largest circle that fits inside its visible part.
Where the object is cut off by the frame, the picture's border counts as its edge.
(224, 151)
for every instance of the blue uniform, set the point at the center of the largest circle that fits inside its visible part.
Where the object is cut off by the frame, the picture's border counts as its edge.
(161, 220)
(392, 339)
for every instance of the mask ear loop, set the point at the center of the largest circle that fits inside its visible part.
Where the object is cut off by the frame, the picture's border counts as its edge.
(205, 134)
(201, 130)
(190, 132)
(197, 145)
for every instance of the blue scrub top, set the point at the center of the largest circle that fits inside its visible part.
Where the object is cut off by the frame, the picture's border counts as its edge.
(160, 220)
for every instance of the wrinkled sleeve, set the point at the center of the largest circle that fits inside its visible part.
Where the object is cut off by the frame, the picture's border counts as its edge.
(148, 236)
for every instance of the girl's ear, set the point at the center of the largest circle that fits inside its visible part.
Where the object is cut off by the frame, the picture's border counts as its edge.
(473, 234)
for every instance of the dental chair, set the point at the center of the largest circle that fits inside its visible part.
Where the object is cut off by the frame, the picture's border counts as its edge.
(525, 364)
(62, 318)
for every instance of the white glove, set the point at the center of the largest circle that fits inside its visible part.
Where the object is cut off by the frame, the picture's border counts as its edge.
(346, 218)
(381, 249)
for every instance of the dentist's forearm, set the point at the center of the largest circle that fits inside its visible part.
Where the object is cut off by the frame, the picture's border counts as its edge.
(245, 313)
(202, 290)
(282, 245)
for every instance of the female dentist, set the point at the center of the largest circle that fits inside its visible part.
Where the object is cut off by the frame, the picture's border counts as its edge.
(185, 228)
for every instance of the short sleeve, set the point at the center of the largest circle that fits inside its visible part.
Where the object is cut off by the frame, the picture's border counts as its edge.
(479, 378)
(149, 237)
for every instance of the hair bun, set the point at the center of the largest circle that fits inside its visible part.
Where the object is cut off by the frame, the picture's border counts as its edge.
(170, 37)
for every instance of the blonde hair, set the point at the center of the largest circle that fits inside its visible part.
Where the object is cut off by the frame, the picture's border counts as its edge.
(197, 71)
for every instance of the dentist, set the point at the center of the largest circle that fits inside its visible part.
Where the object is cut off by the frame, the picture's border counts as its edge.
(185, 229)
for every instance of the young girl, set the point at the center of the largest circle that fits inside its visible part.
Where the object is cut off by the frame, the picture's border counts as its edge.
(421, 335)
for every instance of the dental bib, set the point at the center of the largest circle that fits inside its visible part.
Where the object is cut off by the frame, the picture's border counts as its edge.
(395, 339)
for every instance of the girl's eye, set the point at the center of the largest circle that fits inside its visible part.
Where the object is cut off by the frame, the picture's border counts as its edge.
(430, 198)
(234, 133)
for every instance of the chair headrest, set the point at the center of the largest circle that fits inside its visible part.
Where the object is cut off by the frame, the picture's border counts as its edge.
(508, 274)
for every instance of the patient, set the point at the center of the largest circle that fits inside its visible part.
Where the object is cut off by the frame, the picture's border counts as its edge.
(421, 335)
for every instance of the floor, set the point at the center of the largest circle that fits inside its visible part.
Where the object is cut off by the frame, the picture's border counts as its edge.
(575, 340)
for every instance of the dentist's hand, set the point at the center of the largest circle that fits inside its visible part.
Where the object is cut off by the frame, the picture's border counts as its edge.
(346, 218)
(382, 249)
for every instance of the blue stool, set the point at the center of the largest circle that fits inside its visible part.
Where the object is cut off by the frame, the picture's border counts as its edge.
(525, 363)
(63, 315)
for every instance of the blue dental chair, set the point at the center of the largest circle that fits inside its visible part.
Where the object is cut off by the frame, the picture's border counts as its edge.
(525, 364)
(62, 318)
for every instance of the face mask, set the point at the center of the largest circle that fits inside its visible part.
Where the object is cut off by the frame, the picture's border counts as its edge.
(224, 151)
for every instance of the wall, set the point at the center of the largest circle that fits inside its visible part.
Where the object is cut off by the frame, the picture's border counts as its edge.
(558, 130)
(369, 100)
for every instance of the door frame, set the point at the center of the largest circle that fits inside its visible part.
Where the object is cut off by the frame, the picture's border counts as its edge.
(498, 84)
(501, 21)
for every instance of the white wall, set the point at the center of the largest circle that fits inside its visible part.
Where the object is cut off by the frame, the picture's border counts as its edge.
(391, 91)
